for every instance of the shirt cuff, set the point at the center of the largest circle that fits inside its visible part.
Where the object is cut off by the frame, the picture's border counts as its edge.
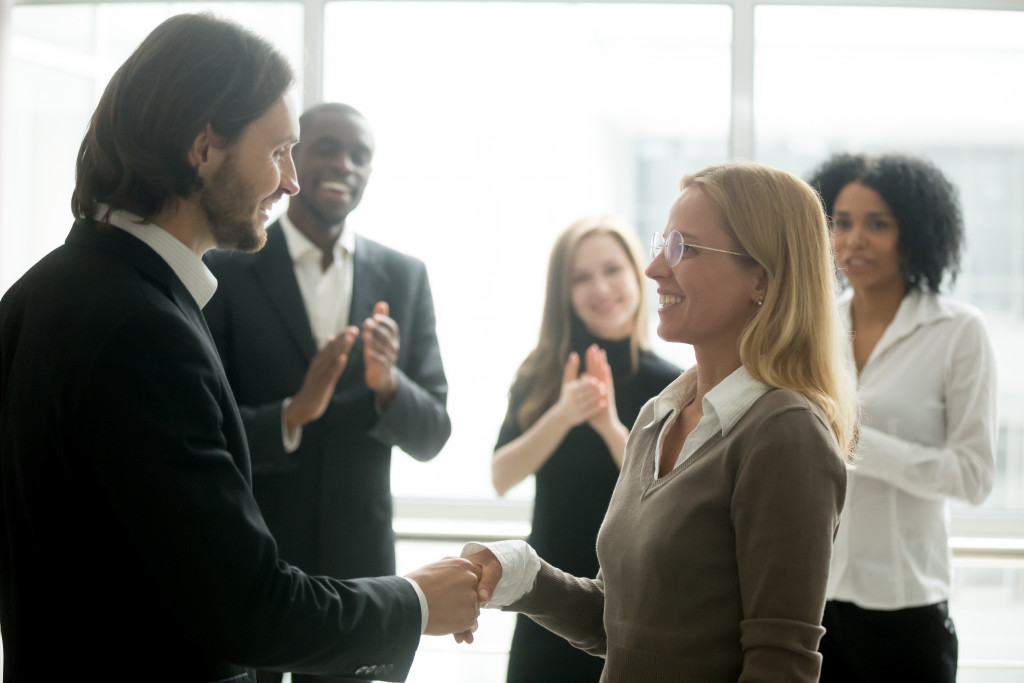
(424, 610)
(519, 567)
(293, 439)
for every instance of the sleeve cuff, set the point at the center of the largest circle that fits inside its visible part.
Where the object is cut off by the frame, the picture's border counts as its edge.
(291, 440)
(424, 610)
(519, 567)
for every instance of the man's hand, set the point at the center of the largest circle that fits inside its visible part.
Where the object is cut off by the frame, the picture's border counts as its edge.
(380, 353)
(310, 402)
(490, 575)
(450, 586)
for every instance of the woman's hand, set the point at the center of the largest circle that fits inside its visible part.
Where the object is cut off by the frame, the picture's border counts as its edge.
(606, 422)
(583, 397)
(598, 368)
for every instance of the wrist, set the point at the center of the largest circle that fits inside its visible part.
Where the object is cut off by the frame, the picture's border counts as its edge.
(291, 418)
(386, 393)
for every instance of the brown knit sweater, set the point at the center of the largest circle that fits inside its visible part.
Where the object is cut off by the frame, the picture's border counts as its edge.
(717, 571)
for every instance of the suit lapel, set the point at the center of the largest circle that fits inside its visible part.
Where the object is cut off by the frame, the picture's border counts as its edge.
(369, 280)
(276, 274)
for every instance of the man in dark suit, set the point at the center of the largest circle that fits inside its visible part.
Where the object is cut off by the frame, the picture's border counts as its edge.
(321, 444)
(131, 547)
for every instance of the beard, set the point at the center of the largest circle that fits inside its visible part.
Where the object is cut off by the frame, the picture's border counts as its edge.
(232, 210)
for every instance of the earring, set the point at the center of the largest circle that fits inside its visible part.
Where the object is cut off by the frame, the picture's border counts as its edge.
(760, 302)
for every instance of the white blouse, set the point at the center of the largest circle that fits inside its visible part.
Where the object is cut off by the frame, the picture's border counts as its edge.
(927, 433)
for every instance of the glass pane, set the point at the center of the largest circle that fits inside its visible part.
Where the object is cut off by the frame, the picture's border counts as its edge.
(926, 81)
(495, 129)
(61, 58)
(986, 604)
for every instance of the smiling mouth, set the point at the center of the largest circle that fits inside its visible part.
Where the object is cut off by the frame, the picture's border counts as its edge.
(335, 186)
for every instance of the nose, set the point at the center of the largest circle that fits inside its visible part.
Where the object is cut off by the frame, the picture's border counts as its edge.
(656, 268)
(289, 177)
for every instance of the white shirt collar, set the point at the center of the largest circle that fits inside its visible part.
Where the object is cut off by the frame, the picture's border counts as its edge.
(728, 401)
(917, 309)
(299, 245)
(185, 263)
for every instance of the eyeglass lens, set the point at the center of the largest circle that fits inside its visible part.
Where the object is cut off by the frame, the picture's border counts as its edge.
(671, 247)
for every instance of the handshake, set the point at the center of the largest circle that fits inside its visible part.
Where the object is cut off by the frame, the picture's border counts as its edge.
(455, 587)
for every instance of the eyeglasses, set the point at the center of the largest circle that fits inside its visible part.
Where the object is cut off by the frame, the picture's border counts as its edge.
(674, 246)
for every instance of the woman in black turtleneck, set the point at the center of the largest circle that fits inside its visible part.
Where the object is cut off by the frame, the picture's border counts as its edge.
(570, 408)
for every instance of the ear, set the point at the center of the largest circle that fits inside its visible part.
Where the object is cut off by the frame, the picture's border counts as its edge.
(761, 286)
(203, 154)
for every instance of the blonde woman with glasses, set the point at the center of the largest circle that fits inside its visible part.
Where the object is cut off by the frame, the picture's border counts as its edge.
(715, 548)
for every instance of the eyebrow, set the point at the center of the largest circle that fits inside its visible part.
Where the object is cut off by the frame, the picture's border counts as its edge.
(869, 213)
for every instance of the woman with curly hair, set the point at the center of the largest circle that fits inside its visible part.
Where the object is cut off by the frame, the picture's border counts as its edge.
(715, 547)
(926, 386)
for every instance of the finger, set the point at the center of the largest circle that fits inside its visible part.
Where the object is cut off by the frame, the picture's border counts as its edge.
(593, 361)
(372, 355)
(572, 368)
(381, 308)
(381, 333)
(342, 344)
(386, 325)
(489, 580)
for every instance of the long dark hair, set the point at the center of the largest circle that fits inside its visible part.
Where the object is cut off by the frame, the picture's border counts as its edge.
(539, 378)
(192, 70)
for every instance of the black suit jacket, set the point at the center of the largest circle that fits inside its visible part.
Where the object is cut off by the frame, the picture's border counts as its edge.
(329, 503)
(130, 541)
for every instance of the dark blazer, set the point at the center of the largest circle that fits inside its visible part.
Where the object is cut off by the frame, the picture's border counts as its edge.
(130, 541)
(329, 503)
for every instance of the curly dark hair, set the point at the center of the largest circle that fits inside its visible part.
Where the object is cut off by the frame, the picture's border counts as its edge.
(923, 201)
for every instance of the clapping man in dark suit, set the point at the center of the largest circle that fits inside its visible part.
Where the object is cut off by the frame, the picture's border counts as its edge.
(131, 546)
(321, 441)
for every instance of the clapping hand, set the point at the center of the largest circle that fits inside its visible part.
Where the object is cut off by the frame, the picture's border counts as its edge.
(582, 397)
(312, 398)
(380, 352)
(598, 368)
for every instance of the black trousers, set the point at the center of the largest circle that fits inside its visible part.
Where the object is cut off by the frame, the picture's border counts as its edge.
(915, 644)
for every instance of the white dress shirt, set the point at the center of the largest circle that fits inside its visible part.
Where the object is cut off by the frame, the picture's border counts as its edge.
(327, 294)
(927, 433)
(724, 405)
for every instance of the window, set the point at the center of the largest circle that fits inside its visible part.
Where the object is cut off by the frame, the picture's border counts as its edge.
(561, 110)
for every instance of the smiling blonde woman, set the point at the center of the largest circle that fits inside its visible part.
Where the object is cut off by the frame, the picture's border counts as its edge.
(715, 548)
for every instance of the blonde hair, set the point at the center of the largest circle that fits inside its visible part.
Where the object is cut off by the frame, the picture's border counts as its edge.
(539, 379)
(794, 340)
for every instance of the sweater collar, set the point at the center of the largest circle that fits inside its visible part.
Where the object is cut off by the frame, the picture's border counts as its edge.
(726, 403)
